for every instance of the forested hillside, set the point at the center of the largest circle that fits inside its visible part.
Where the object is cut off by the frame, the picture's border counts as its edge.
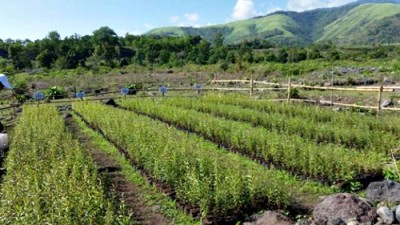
(104, 50)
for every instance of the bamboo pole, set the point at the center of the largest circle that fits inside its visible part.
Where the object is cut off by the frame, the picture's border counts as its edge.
(332, 87)
(289, 89)
(251, 87)
(379, 101)
(230, 81)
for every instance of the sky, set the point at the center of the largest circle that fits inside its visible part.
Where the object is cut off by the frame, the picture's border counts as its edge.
(34, 19)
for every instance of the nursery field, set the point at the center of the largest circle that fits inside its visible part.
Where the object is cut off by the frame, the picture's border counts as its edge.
(215, 159)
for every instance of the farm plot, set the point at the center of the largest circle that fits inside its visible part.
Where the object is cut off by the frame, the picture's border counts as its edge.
(349, 136)
(147, 204)
(202, 175)
(326, 162)
(318, 114)
(50, 179)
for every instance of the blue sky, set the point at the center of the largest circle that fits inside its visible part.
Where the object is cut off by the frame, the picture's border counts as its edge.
(34, 19)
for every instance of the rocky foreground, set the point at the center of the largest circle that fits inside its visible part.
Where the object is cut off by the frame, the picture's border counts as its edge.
(380, 207)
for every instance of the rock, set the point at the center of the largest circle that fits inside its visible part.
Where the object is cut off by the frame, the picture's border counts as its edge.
(397, 213)
(302, 222)
(325, 102)
(337, 221)
(64, 108)
(387, 81)
(3, 144)
(342, 207)
(387, 190)
(110, 102)
(352, 223)
(271, 218)
(67, 115)
(387, 103)
(386, 214)
(380, 221)
(367, 223)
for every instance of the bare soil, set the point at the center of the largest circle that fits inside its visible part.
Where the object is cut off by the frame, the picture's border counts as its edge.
(124, 190)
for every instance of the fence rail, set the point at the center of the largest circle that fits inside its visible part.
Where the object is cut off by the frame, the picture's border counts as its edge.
(288, 86)
(251, 88)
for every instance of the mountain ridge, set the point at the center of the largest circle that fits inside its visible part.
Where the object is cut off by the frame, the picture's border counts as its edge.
(302, 28)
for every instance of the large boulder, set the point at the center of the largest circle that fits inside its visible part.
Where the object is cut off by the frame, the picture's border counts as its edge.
(344, 208)
(271, 218)
(388, 191)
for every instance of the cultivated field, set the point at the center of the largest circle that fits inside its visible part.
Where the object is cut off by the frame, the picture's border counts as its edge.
(216, 159)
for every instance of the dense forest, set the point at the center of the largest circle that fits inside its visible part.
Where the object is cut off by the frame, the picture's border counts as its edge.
(105, 49)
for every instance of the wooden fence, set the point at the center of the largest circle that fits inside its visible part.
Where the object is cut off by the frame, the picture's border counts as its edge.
(251, 89)
(288, 86)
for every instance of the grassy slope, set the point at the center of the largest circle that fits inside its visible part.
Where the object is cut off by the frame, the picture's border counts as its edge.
(357, 19)
(237, 31)
(252, 28)
(345, 25)
(170, 31)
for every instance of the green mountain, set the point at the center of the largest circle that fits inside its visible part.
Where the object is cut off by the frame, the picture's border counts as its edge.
(362, 22)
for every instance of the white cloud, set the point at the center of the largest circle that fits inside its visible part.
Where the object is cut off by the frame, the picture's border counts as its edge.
(244, 9)
(188, 19)
(302, 5)
(192, 17)
(334, 3)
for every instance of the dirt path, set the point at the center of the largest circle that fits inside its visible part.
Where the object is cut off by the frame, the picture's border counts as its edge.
(125, 190)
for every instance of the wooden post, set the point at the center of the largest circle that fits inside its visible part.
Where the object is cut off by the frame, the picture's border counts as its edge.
(332, 89)
(379, 100)
(251, 87)
(289, 90)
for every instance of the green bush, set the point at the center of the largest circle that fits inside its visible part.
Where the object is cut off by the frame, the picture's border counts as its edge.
(55, 93)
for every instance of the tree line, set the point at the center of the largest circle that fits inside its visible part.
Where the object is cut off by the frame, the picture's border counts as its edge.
(105, 49)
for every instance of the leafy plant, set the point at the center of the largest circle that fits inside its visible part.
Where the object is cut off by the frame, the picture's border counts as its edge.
(200, 173)
(55, 93)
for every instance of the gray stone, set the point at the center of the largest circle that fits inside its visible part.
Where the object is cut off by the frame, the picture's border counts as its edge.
(387, 103)
(302, 222)
(397, 213)
(67, 115)
(386, 214)
(271, 218)
(380, 221)
(342, 207)
(3, 142)
(387, 81)
(336, 221)
(388, 191)
(367, 223)
(352, 223)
